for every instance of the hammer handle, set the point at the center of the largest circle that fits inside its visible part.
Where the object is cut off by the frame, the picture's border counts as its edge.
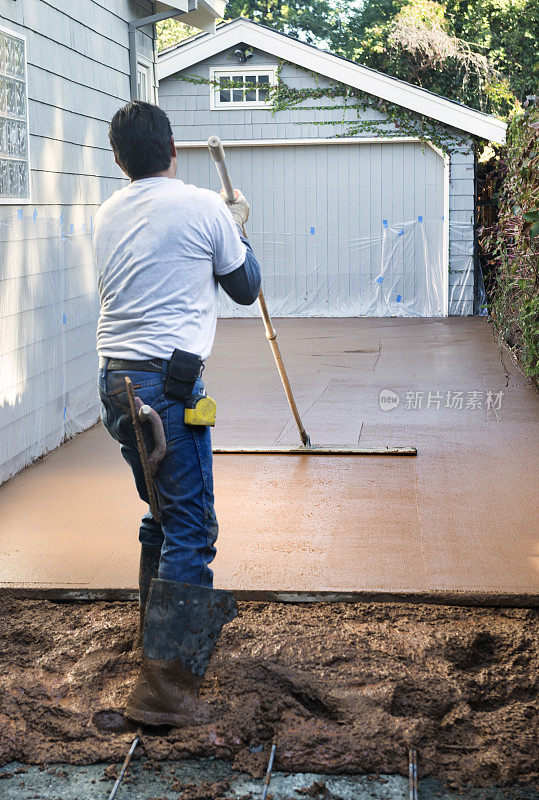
(143, 453)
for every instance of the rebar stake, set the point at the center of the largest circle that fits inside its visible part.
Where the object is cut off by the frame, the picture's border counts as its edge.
(268, 773)
(412, 773)
(123, 769)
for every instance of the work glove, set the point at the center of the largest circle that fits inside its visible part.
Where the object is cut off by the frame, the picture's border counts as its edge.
(239, 208)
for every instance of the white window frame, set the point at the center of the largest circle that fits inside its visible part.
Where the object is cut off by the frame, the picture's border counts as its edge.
(146, 64)
(241, 69)
(11, 201)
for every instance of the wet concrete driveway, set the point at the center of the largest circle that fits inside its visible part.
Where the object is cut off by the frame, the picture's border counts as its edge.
(459, 517)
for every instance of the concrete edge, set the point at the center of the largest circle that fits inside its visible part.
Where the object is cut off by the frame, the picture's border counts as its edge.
(472, 599)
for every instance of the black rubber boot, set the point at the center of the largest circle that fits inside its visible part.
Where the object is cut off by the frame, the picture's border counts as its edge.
(148, 569)
(181, 628)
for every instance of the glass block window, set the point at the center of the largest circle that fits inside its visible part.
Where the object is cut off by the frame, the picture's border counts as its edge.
(14, 167)
(241, 87)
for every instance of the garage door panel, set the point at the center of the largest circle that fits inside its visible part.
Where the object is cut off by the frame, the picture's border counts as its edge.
(340, 230)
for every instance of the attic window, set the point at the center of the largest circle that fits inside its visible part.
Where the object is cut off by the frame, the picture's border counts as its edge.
(241, 87)
(14, 168)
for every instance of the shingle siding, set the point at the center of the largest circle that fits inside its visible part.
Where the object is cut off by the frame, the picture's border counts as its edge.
(78, 77)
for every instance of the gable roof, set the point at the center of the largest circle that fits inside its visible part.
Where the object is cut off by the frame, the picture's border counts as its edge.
(198, 48)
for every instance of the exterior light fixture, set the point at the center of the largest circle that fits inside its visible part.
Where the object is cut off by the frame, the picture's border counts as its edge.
(243, 53)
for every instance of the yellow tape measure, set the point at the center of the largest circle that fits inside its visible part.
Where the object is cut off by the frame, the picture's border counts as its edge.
(200, 410)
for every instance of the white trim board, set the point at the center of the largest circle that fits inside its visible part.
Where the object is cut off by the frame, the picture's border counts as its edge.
(298, 142)
(195, 50)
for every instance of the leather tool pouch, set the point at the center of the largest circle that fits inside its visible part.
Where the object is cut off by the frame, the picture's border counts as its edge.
(182, 371)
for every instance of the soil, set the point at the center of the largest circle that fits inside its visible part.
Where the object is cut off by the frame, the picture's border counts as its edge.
(340, 688)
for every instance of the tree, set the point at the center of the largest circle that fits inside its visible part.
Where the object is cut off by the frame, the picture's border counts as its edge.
(507, 32)
(170, 32)
(502, 32)
(310, 22)
(420, 35)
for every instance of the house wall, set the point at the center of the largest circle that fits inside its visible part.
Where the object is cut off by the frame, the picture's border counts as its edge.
(78, 76)
(188, 106)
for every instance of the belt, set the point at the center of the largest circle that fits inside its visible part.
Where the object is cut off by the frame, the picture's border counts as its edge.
(151, 365)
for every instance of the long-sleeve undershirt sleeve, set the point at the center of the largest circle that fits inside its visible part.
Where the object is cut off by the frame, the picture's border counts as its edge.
(243, 284)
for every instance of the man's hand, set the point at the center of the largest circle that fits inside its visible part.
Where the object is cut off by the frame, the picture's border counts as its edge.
(239, 208)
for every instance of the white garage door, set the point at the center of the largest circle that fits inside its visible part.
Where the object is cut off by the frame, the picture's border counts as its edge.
(339, 229)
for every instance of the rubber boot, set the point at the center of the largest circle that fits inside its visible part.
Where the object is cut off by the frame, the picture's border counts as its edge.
(148, 569)
(182, 624)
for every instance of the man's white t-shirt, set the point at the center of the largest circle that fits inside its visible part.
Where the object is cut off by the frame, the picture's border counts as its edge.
(158, 245)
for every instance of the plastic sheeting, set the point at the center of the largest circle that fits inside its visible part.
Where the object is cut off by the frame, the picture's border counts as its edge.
(48, 312)
(461, 270)
(399, 273)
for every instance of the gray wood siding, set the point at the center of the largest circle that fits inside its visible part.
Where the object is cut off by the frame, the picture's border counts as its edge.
(188, 106)
(78, 77)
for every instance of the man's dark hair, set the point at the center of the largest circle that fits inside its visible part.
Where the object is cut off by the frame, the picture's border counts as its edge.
(139, 134)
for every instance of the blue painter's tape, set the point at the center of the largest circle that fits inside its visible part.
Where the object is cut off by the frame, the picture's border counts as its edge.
(384, 223)
(19, 213)
(420, 219)
(62, 217)
(312, 230)
(379, 280)
(399, 298)
(64, 319)
(401, 233)
(72, 228)
(34, 215)
(65, 410)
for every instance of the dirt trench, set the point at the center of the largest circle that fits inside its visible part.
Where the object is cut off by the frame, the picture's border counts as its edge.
(341, 688)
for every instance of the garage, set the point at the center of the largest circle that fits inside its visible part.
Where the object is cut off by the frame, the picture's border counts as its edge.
(369, 243)
(361, 186)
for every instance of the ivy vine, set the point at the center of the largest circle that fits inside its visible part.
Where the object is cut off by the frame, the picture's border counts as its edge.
(398, 121)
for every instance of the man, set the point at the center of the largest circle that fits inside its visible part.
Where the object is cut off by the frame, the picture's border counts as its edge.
(161, 249)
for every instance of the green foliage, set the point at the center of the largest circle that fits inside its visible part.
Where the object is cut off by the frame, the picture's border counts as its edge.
(511, 243)
(417, 40)
(309, 21)
(507, 31)
(170, 32)
(398, 121)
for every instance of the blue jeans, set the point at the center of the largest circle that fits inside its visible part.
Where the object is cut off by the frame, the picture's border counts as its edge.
(184, 481)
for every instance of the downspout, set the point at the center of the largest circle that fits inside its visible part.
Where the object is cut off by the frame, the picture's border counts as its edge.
(191, 5)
